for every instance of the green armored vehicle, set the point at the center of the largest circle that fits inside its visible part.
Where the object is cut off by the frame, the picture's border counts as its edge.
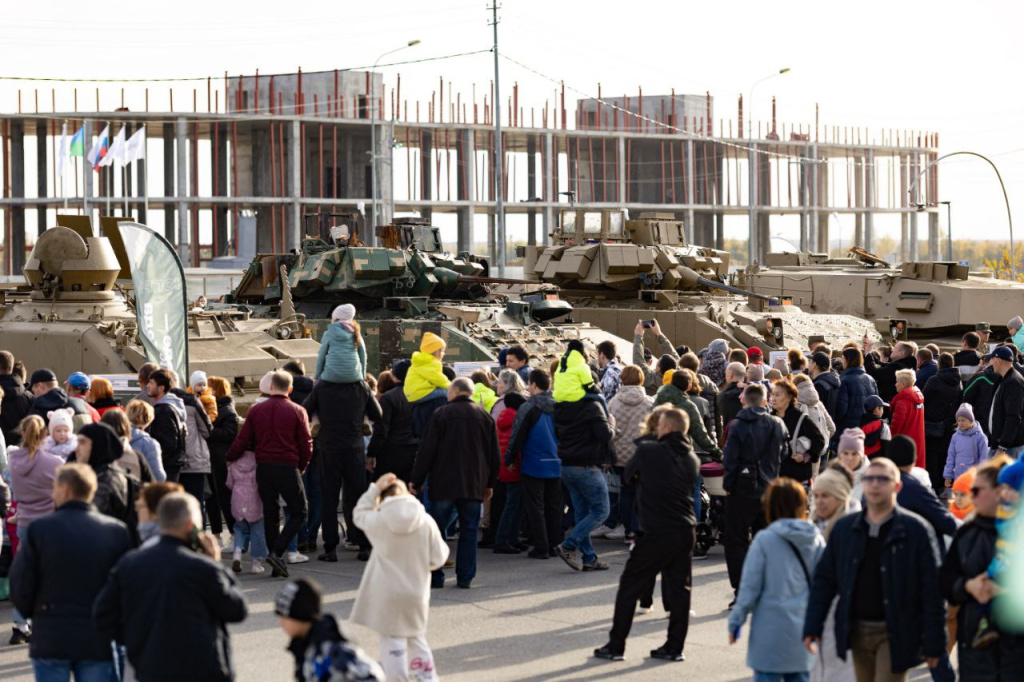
(615, 271)
(404, 288)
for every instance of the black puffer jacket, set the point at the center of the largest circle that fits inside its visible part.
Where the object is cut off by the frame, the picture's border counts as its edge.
(113, 490)
(583, 433)
(757, 443)
(1008, 412)
(827, 386)
(394, 430)
(729, 403)
(942, 398)
(225, 428)
(17, 403)
(973, 548)
(801, 471)
(885, 375)
(979, 393)
(302, 386)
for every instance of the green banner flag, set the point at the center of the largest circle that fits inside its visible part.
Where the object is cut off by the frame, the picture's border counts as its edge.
(161, 301)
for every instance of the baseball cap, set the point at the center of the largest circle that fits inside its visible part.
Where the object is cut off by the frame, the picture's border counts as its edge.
(1002, 353)
(299, 600)
(42, 376)
(873, 401)
(983, 327)
(80, 381)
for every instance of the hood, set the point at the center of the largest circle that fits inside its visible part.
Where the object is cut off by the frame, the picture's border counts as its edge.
(967, 357)
(752, 414)
(54, 399)
(505, 418)
(545, 402)
(913, 394)
(671, 393)
(950, 376)
(24, 466)
(631, 395)
(11, 385)
(972, 432)
(107, 447)
(246, 463)
(830, 378)
(403, 514)
(226, 401)
(573, 359)
(176, 402)
(187, 399)
(338, 334)
(423, 359)
(801, 533)
(807, 394)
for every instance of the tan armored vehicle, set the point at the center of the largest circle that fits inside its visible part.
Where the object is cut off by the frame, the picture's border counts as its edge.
(72, 315)
(616, 271)
(939, 300)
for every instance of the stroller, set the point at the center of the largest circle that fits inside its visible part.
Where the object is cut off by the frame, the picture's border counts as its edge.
(711, 523)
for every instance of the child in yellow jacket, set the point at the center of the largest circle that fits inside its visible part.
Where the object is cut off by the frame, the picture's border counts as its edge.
(573, 380)
(483, 393)
(426, 386)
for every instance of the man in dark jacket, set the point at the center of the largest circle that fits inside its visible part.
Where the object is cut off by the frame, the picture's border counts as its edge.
(55, 587)
(854, 388)
(943, 395)
(904, 356)
(394, 443)
(753, 453)
(459, 452)
(302, 386)
(968, 358)
(979, 393)
(169, 423)
(826, 382)
(914, 496)
(1006, 420)
(927, 367)
(729, 404)
(584, 438)
(883, 563)
(170, 604)
(342, 409)
(666, 473)
(48, 396)
(277, 431)
(16, 402)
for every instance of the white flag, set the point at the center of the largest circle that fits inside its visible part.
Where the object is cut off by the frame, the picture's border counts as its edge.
(99, 147)
(136, 147)
(117, 150)
(62, 150)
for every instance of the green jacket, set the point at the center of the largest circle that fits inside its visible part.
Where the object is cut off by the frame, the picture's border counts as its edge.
(698, 434)
(652, 379)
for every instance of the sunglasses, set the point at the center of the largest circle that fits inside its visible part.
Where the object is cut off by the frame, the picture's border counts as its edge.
(877, 479)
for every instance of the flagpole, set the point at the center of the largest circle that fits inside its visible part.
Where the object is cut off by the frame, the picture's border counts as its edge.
(124, 188)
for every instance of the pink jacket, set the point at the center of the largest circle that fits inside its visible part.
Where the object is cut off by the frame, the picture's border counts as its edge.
(245, 496)
(32, 483)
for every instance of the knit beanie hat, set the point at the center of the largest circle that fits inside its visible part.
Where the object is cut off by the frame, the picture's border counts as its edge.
(346, 312)
(666, 379)
(806, 394)
(60, 417)
(1013, 475)
(431, 343)
(513, 401)
(198, 377)
(1015, 323)
(902, 451)
(852, 439)
(299, 600)
(965, 411)
(755, 372)
(719, 346)
(400, 369)
(834, 482)
(754, 354)
(266, 385)
(965, 481)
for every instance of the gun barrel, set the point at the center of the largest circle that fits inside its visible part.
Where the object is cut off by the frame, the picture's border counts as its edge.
(735, 290)
(470, 279)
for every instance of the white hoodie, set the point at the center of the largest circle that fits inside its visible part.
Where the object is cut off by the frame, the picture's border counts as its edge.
(394, 594)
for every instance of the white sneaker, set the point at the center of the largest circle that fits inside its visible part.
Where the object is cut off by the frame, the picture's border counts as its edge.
(351, 546)
(617, 533)
(644, 610)
(229, 543)
(257, 567)
(600, 532)
(295, 558)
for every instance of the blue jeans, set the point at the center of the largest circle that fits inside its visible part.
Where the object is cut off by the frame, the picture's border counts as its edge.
(781, 677)
(696, 497)
(254, 532)
(311, 481)
(1012, 452)
(57, 670)
(589, 493)
(511, 517)
(469, 512)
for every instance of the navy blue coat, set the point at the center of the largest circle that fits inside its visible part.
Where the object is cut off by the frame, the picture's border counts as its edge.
(915, 611)
(854, 387)
(62, 564)
(921, 500)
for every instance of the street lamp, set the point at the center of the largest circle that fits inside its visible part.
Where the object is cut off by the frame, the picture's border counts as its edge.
(949, 229)
(752, 240)
(373, 141)
(1002, 185)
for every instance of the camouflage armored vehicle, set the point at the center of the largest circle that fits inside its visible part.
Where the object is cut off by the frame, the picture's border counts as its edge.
(71, 315)
(616, 271)
(405, 287)
(940, 301)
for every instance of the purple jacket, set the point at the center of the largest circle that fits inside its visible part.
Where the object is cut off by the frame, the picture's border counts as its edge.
(245, 496)
(32, 483)
(968, 448)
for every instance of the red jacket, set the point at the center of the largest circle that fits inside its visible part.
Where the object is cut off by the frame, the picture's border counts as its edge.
(908, 418)
(504, 424)
(277, 430)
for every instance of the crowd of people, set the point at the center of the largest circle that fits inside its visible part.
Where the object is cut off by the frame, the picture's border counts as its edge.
(868, 526)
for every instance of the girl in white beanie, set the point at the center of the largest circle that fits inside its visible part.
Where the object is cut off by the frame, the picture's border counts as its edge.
(197, 385)
(342, 356)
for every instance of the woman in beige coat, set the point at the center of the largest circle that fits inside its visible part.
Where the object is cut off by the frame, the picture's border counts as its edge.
(394, 594)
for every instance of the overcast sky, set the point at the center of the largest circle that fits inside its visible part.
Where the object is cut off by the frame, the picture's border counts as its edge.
(950, 67)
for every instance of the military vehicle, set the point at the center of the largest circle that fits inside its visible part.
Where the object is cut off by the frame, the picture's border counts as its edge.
(405, 287)
(939, 300)
(72, 315)
(616, 271)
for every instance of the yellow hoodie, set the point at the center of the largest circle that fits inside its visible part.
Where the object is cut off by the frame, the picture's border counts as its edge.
(423, 377)
(570, 385)
(484, 395)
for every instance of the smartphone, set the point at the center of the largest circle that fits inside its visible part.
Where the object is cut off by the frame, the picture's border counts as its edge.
(648, 324)
(193, 541)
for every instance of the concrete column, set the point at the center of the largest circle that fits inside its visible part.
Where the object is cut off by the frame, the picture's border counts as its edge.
(912, 251)
(181, 140)
(492, 242)
(262, 166)
(127, 177)
(531, 189)
(387, 175)
(858, 196)
(86, 175)
(904, 217)
(465, 150)
(141, 188)
(427, 170)
(41, 175)
(933, 236)
(691, 189)
(293, 175)
(220, 171)
(869, 191)
(549, 185)
(17, 178)
(169, 191)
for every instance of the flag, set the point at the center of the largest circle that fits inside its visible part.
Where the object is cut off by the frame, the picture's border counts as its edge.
(77, 147)
(116, 151)
(136, 146)
(99, 148)
(62, 150)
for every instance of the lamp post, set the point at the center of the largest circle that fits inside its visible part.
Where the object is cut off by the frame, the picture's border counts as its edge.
(1002, 185)
(373, 141)
(949, 229)
(752, 240)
